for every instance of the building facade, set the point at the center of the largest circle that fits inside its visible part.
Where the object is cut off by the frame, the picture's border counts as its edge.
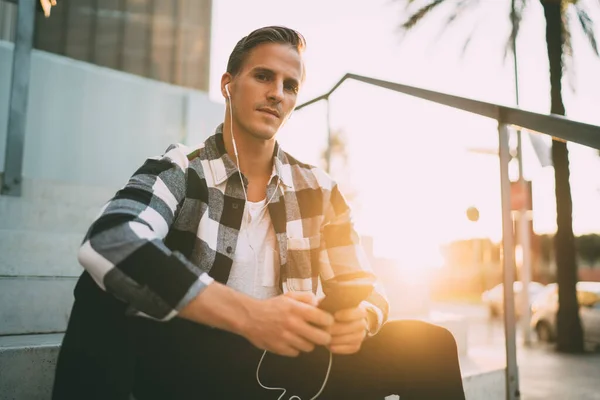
(166, 40)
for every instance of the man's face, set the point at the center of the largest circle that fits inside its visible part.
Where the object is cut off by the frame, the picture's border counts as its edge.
(264, 92)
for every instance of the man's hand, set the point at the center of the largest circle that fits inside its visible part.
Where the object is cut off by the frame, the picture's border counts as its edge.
(288, 324)
(349, 330)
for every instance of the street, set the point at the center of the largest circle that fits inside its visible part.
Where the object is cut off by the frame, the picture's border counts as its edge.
(543, 373)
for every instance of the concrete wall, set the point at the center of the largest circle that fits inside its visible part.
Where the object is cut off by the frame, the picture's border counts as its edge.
(93, 125)
(88, 129)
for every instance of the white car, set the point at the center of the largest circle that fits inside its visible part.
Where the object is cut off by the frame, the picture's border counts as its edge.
(543, 312)
(494, 298)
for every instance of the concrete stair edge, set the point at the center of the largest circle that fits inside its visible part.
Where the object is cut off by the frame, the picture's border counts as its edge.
(47, 190)
(34, 253)
(23, 214)
(35, 304)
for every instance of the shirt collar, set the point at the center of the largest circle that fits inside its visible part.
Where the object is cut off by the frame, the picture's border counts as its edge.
(222, 167)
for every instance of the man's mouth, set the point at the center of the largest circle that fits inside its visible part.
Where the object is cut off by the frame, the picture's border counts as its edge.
(271, 111)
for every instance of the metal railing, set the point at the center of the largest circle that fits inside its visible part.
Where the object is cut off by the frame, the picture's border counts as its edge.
(557, 126)
(554, 125)
(19, 91)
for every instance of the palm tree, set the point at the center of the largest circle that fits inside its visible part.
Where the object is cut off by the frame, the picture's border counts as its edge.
(557, 14)
(336, 149)
(334, 159)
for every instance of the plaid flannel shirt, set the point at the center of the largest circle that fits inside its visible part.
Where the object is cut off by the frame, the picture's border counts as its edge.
(172, 230)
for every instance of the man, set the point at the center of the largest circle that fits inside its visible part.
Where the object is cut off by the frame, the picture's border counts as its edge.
(209, 256)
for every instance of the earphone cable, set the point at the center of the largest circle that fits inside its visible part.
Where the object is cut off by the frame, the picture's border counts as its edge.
(237, 159)
(284, 390)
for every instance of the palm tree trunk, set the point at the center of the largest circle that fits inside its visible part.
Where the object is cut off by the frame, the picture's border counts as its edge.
(569, 332)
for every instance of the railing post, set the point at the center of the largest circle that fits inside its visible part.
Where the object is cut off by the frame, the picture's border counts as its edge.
(524, 235)
(329, 138)
(19, 92)
(512, 373)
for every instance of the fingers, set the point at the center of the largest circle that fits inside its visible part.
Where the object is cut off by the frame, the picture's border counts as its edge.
(313, 334)
(286, 351)
(348, 339)
(313, 324)
(345, 349)
(304, 297)
(299, 343)
(351, 314)
(341, 328)
(287, 325)
(317, 316)
(347, 344)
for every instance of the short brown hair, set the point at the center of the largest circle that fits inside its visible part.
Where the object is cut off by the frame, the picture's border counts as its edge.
(268, 34)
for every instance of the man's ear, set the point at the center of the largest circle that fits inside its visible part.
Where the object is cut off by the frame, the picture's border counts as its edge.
(226, 85)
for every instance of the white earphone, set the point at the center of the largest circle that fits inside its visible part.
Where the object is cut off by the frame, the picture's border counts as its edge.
(235, 151)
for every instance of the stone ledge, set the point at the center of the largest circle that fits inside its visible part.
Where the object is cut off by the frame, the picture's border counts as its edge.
(27, 363)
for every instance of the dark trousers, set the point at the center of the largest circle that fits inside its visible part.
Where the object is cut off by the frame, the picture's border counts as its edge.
(106, 355)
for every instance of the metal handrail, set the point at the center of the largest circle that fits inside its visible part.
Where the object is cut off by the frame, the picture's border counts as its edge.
(555, 125)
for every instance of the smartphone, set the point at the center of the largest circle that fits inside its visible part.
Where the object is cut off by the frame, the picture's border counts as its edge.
(347, 291)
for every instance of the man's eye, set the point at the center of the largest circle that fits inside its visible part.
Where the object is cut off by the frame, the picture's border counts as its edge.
(292, 88)
(261, 77)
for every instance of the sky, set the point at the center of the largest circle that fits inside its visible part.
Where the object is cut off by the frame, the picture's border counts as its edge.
(411, 169)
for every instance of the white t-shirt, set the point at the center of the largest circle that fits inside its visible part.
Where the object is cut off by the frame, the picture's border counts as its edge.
(255, 269)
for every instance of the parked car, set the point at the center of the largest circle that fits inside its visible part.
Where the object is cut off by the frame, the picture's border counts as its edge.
(494, 298)
(543, 312)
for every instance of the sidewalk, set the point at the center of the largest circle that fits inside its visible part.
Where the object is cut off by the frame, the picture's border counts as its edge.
(548, 375)
(544, 374)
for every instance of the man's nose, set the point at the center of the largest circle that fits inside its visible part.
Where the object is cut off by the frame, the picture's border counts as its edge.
(276, 92)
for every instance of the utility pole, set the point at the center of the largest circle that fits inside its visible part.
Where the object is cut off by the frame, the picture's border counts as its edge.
(524, 233)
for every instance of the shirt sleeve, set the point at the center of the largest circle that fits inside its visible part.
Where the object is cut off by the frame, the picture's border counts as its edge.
(124, 248)
(341, 253)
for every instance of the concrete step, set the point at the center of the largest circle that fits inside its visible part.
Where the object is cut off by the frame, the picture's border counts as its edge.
(66, 193)
(50, 206)
(35, 304)
(46, 216)
(35, 253)
(483, 373)
(27, 363)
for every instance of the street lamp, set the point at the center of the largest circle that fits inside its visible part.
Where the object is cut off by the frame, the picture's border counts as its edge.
(473, 216)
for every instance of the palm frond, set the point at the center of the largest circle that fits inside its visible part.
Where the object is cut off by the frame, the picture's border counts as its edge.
(566, 31)
(568, 60)
(587, 24)
(408, 3)
(516, 16)
(468, 40)
(460, 9)
(416, 17)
